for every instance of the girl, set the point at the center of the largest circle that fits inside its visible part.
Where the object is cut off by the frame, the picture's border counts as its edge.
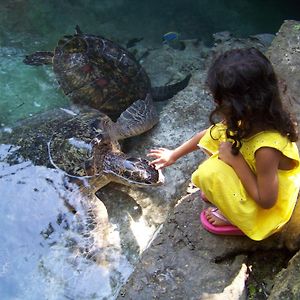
(252, 174)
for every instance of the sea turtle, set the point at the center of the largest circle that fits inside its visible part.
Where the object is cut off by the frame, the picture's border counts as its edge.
(85, 144)
(98, 72)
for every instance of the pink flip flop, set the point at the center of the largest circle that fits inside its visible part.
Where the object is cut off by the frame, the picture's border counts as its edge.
(221, 230)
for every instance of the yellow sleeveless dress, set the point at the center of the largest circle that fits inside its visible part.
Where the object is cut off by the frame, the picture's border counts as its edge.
(224, 189)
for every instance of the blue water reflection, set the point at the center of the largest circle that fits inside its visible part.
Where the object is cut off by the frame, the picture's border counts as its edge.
(47, 251)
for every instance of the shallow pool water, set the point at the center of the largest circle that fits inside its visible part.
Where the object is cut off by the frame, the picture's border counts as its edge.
(47, 250)
(28, 26)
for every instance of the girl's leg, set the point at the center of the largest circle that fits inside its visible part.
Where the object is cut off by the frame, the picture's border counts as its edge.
(223, 189)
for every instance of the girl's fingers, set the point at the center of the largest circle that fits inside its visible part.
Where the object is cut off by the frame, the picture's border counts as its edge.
(156, 152)
(155, 155)
(155, 161)
(160, 156)
(159, 150)
(159, 166)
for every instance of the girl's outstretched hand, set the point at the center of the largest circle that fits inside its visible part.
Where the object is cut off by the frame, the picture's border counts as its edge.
(163, 157)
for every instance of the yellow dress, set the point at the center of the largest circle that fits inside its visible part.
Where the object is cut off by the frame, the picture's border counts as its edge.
(224, 189)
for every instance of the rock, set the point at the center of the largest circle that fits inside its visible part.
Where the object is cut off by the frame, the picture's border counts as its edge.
(264, 38)
(291, 231)
(287, 283)
(184, 261)
(222, 36)
(284, 54)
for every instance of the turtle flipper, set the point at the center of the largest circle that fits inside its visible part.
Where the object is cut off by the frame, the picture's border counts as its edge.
(39, 58)
(136, 119)
(168, 91)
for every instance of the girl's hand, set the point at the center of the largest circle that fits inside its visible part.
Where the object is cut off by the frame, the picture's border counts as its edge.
(163, 157)
(225, 153)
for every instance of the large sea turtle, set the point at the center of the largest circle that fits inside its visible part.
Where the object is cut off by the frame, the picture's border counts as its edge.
(98, 72)
(85, 144)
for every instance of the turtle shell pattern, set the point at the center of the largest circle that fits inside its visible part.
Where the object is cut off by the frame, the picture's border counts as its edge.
(97, 72)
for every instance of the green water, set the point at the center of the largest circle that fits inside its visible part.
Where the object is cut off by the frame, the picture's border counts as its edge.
(45, 251)
(28, 26)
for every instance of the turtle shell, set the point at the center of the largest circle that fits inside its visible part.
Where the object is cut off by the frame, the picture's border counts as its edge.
(78, 147)
(97, 72)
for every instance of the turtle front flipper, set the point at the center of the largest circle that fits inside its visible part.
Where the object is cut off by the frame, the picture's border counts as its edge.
(168, 91)
(140, 117)
(39, 58)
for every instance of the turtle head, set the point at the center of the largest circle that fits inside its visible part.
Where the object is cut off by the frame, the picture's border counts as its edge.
(132, 171)
(39, 58)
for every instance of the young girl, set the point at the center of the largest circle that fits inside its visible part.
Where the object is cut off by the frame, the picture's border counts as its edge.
(252, 175)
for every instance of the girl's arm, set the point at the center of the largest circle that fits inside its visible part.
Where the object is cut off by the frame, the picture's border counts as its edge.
(166, 157)
(262, 187)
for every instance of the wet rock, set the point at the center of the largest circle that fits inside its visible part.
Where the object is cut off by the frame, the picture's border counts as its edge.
(184, 261)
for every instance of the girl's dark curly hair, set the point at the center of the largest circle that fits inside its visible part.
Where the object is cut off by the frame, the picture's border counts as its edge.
(245, 89)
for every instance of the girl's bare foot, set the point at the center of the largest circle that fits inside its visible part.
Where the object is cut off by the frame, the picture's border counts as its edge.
(215, 217)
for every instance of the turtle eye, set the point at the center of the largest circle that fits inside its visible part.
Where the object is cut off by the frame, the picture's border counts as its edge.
(96, 141)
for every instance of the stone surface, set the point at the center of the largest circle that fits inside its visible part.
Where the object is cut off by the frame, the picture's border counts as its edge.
(287, 283)
(185, 261)
(284, 53)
